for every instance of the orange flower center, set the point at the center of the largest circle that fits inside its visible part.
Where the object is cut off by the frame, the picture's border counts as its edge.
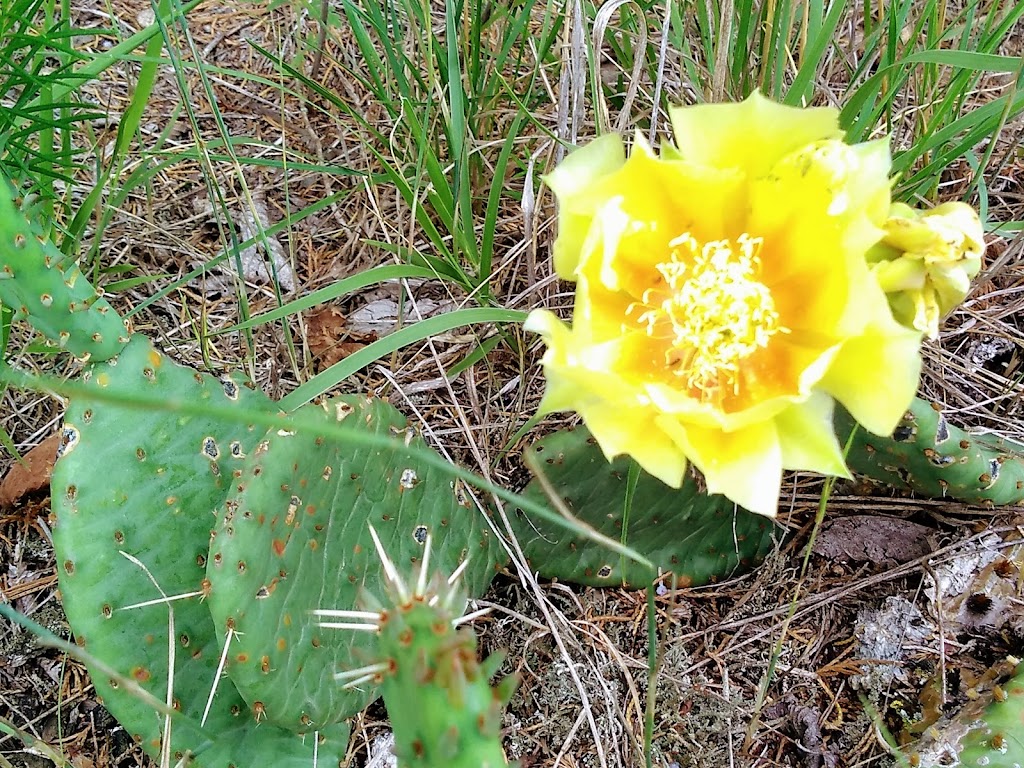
(710, 310)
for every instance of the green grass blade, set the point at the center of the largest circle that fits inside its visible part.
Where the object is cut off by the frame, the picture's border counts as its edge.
(335, 291)
(432, 326)
(819, 40)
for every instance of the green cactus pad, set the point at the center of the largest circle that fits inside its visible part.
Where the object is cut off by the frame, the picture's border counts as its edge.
(146, 483)
(988, 732)
(257, 744)
(997, 741)
(442, 707)
(56, 299)
(293, 537)
(933, 458)
(685, 532)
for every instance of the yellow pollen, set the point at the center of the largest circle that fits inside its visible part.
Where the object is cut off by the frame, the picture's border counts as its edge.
(711, 310)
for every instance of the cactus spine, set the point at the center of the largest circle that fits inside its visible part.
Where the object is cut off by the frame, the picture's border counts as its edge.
(442, 707)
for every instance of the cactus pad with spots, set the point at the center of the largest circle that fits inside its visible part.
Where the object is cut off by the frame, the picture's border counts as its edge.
(293, 537)
(145, 483)
(39, 284)
(928, 455)
(685, 532)
(997, 739)
(988, 732)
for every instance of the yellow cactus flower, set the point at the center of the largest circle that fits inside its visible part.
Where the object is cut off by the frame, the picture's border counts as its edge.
(926, 261)
(723, 297)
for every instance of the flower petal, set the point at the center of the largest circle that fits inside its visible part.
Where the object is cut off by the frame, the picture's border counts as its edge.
(640, 437)
(808, 438)
(745, 465)
(751, 135)
(576, 183)
(578, 379)
(728, 290)
(875, 374)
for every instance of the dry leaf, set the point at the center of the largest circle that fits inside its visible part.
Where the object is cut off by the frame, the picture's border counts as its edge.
(329, 338)
(31, 475)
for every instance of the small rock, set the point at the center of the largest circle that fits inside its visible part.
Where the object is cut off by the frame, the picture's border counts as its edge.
(883, 634)
(884, 541)
(382, 753)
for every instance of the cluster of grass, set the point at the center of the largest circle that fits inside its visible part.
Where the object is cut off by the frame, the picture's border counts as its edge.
(461, 107)
(476, 99)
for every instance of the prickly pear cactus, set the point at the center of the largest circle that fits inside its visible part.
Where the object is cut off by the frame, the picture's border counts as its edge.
(145, 484)
(997, 740)
(292, 536)
(55, 298)
(928, 455)
(989, 730)
(685, 532)
(442, 707)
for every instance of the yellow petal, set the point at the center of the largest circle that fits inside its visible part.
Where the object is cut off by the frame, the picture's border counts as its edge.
(751, 135)
(640, 437)
(655, 201)
(808, 437)
(577, 184)
(875, 374)
(578, 379)
(899, 275)
(745, 465)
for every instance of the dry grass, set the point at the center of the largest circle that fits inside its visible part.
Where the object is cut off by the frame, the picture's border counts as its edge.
(764, 670)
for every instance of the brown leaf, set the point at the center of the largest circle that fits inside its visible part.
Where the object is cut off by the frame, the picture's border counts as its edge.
(329, 339)
(30, 475)
(874, 539)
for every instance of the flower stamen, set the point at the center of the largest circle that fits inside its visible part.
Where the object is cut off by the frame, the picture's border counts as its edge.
(711, 310)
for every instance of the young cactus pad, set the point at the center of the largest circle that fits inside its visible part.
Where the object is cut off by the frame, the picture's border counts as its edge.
(685, 532)
(928, 455)
(56, 299)
(145, 483)
(987, 733)
(442, 707)
(997, 740)
(293, 536)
